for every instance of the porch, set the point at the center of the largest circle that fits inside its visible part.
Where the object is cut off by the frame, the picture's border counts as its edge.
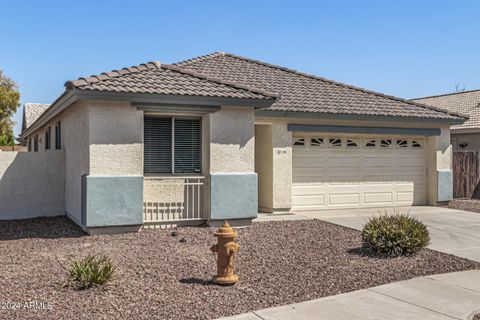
(169, 201)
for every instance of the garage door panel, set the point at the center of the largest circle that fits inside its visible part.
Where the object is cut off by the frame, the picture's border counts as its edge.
(377, 197)
(305, 172)
(309, 200)
(308, 161)
(357, 177)
(377, 161)
(416, 161)
(378, 178)
(308, 179)
(342, 179)
(343, 199)
(309, 190)
(342, 161)
(405, 197)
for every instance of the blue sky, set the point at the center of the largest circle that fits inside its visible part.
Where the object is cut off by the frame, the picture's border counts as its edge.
(403, 48)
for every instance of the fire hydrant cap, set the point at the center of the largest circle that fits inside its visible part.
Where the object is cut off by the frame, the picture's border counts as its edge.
(225, 231)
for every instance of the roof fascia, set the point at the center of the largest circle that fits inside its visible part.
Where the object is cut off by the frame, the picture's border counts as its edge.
(361, 117)
(71, 96)
(65, 100)
(168, 108)
(172, 99)
(364, 130)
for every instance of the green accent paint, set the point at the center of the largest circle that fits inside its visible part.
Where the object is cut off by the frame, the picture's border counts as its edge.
(233, 196)
(356, 117)
(445, 185)
(112, 201)
(364, 130)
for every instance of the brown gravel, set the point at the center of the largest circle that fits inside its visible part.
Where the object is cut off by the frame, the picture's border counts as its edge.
(160, 277)
(476, 317)
(464, 204)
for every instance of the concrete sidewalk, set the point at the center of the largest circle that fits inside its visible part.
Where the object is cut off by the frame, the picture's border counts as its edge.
(445, 296)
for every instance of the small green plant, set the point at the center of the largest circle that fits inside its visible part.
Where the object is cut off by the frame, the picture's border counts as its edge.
(90, 271)
(394, 235)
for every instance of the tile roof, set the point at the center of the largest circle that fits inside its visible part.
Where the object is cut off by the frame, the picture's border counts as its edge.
(467, 102)
(157, 78)
(31, 112)
(300, 92)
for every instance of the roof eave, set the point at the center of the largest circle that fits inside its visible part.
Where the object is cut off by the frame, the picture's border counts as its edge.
(173, 99)
(62, 102)
(357, 117)
(72, 95)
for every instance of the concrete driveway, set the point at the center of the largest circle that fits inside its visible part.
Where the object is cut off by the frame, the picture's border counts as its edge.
(451, 231)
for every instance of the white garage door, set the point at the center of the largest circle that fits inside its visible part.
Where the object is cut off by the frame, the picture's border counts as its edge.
(357, 172)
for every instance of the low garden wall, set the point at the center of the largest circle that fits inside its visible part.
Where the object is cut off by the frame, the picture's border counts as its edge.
(31, 184)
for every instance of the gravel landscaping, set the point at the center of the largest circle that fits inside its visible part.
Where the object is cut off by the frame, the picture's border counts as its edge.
(464, 204)
(161, 277)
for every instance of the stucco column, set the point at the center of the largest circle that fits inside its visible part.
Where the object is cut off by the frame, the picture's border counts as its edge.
(113, 190)
(233, 181)
(439, 167)
(282, 167)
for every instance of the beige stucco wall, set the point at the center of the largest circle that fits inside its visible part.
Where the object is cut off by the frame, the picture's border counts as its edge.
(75, 143)
(472, 139)
(116, 138)
(439, 153)
(264, 166)
(31, 184)
(439, 157)
(232, 142)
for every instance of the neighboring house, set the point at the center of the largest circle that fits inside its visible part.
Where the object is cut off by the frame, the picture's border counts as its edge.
(221, 136)
(31, 112)
(464, 136)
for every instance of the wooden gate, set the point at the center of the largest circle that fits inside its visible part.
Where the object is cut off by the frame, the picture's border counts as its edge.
(466, 174)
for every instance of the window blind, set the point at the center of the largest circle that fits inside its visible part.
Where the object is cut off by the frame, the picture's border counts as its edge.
(157, 145)
(187, 145)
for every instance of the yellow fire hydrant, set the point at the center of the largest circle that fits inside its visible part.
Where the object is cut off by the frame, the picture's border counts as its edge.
(226, 248)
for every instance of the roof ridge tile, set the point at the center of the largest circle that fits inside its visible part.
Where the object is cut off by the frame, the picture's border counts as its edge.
(112, 74)
(220, 81)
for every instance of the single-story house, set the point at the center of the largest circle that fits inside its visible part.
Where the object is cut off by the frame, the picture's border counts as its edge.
(464, 136)
(223, 136)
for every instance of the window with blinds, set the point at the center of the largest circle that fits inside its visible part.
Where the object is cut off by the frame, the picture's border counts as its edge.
(172, 145)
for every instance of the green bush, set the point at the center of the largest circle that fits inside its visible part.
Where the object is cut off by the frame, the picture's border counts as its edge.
(90, 271)
(394, 235)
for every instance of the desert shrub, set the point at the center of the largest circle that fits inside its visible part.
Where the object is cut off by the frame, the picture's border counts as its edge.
(90, 271)
(394, 235)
